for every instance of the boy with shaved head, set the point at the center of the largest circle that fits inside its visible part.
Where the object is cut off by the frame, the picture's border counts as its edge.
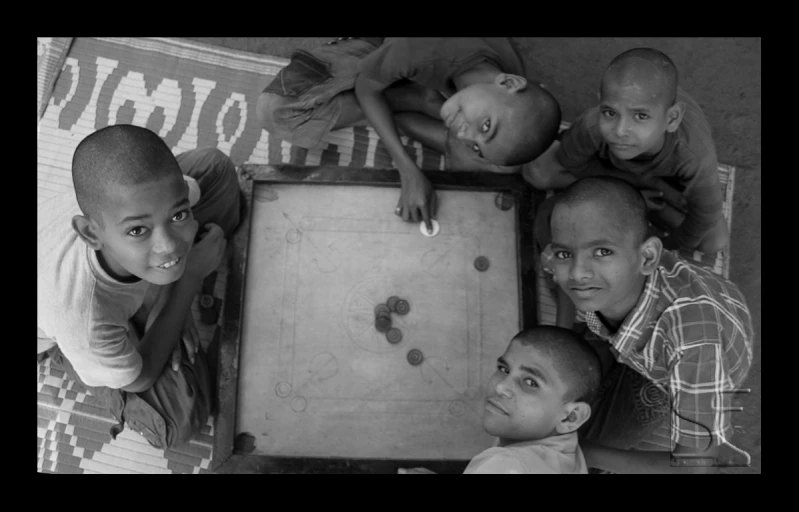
(539, 396)
(466, 97)
(649, 132)
(105, 255)
(675, 338)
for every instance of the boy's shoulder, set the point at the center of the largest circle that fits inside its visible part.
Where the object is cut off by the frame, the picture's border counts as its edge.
(399, 56)
(683, 279)
(553, 455)
(695, 139)
(586, 127)
(508, 460)
(72, 286)
(694, 297)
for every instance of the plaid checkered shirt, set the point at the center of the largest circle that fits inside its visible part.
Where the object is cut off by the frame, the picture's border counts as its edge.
(691, 334)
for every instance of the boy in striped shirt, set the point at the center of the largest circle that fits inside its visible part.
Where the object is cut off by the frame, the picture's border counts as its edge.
(648, 131)
(674, 338)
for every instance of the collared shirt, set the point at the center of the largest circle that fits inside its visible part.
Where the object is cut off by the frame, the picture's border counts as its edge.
(691, 334)
(551, 455)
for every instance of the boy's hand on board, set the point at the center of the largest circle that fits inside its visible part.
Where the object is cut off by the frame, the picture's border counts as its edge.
(418, 200)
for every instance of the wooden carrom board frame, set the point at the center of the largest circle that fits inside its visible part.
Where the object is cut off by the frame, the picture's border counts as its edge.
(231, 454)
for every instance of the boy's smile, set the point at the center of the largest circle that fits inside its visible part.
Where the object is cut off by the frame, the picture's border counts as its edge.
(148, 230)
(596, 263)
(525, 396)
(632, 120)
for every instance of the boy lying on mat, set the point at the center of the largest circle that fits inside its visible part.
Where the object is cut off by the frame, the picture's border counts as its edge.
(494, 118)
(674, 338)
(650, 132)
(539, 396)
(118, 267)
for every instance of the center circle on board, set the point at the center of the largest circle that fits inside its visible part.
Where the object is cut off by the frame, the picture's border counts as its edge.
(358, 314)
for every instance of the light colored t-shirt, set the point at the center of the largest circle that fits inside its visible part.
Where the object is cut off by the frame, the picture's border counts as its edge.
(551, 455)
(80, 307)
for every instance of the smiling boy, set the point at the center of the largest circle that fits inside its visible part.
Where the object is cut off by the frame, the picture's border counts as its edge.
(118, 269)
(681, 336)
(648, 131)
(494, 118)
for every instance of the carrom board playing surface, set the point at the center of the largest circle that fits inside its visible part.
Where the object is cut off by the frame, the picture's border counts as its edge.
(315, 377)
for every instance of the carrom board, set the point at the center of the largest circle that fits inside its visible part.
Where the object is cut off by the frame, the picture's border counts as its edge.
(320, 248)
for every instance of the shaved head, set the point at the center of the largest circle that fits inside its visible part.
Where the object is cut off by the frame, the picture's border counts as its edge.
(535, 122)
(621, 202)
(645, 68)
(575, 360)
(118, 156)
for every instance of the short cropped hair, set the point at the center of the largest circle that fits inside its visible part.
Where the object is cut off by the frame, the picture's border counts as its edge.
(118, 155)
(662, 70)
(536, 123)
(575, 360)
(623, 200)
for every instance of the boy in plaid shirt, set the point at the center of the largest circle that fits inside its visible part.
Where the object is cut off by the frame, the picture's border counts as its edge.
(675, 339)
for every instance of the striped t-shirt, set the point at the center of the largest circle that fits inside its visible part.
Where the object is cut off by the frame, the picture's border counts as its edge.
(690, 333)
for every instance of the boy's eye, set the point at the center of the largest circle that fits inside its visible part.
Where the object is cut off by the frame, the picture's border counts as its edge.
(476, 149)
(530, 383)
(603, 252)
(502, 369)
(137, 231)
(180, 216)
(642, 117)
(486, 126)
(608, 113)
(562, 255)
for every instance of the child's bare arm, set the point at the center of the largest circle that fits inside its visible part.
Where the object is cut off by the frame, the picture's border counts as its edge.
(418, 199)
(160, 340)
(429, 132)
(545, 172)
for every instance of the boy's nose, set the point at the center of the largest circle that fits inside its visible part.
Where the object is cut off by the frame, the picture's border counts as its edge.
(464, 132)
(621, 127)
(502, 388)
(581, 270)
(164, 242)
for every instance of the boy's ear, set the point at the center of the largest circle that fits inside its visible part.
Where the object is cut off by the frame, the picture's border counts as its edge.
(577, 414)
(674, 116)
(514, 83)
(87, 229)
(651, 250)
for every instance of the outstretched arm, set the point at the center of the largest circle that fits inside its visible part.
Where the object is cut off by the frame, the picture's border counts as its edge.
(417, 200)
(162, 337)
(545, 172)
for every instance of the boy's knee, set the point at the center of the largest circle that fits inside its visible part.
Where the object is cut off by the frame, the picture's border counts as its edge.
(214, 158)
(200, 162)
(181, 400)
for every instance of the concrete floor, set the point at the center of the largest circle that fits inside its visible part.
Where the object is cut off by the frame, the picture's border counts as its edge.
(722, 74)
